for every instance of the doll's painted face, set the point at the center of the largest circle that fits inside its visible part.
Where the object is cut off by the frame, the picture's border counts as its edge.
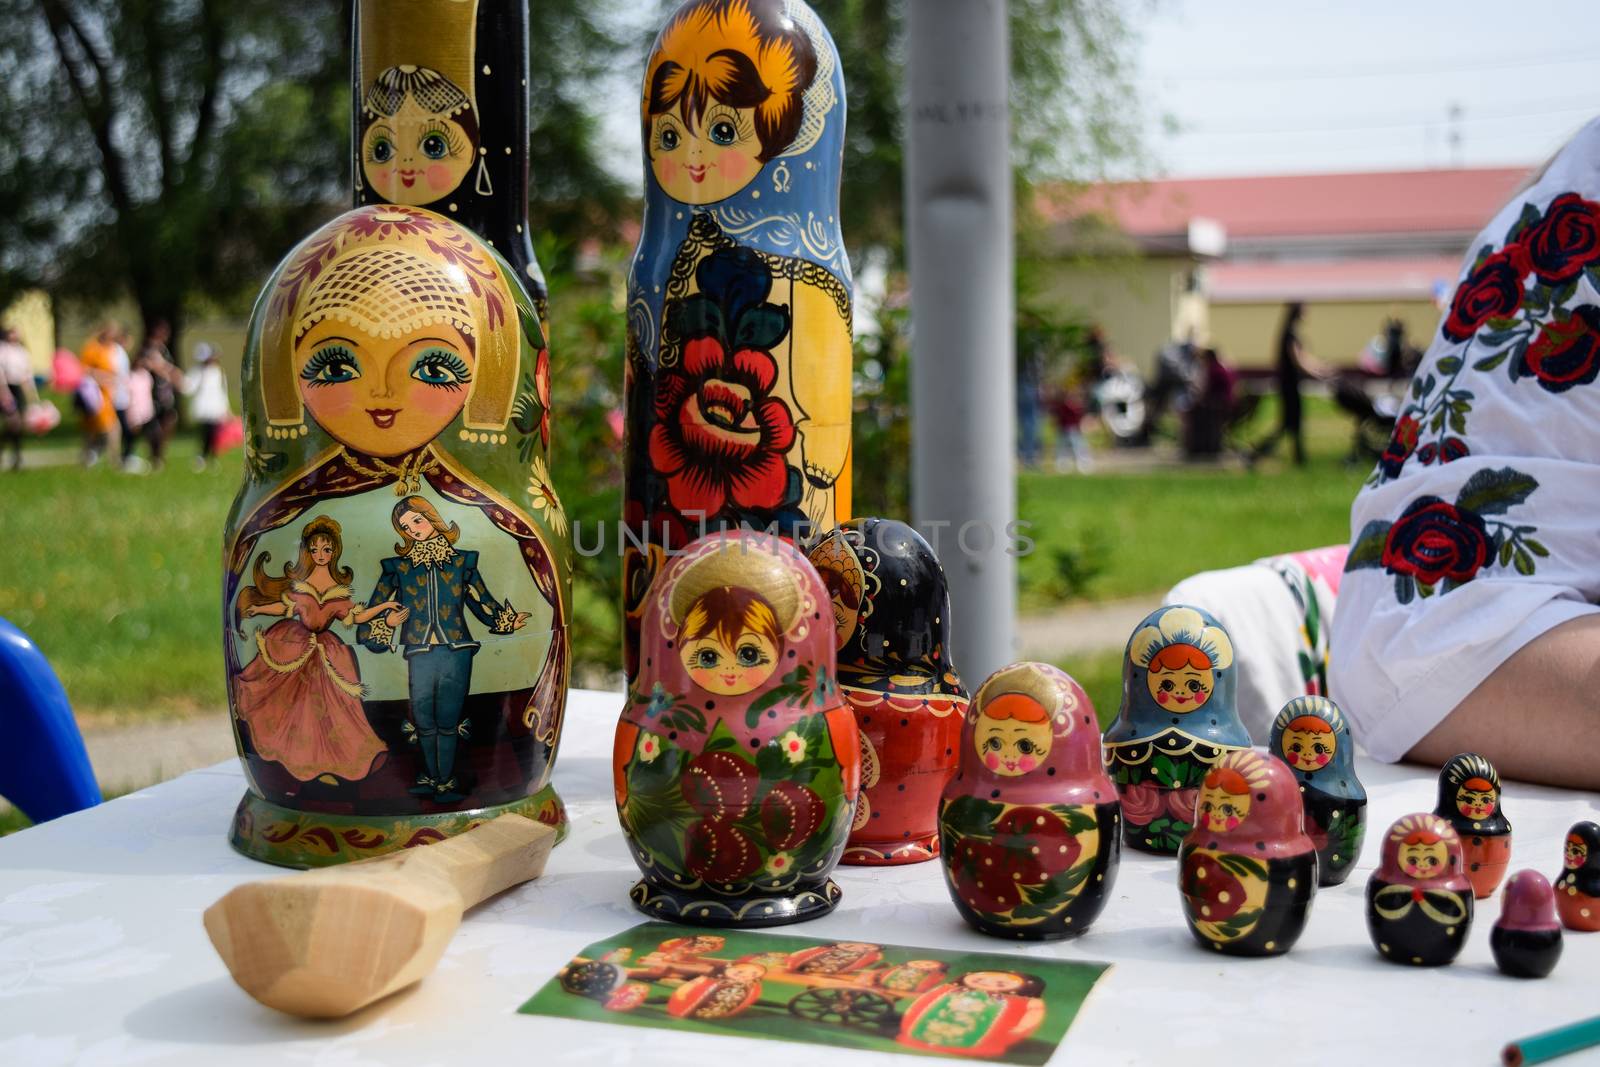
(993, 981)
(1183, 689)
(1474, 802)
(383, 396)
(1012, 746)
(321, 551)
(710, 162)
(1222, 810)
(415, 156)
(1575, 852)
(730, 670)
(744, 973)
(1305, 750)
(1423, 859)
(416, 526)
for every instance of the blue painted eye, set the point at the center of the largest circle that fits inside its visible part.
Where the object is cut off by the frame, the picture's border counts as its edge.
(441, 367)
(434, 146)
(382, 150)
(723, 132)
(669, 139)
(331, 366)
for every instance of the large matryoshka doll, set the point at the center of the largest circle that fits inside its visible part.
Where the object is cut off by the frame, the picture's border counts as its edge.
(1028, 826)
(1178, 719)
(1578, 885)
(441, 118)
(1469, 796)
(1419, 901)
(1247, 872)
(736, 761)
(1311, 736)
(891, 611)
(739, 296)
(396, 569)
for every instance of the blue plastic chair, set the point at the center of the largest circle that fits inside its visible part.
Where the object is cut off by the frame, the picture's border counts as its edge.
(44, 768)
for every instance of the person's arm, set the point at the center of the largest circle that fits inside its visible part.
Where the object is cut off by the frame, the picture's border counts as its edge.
(500, 618)
(1533, 718)
(379, 634)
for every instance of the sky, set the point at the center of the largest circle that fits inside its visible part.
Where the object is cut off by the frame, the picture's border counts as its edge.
(1290, 87)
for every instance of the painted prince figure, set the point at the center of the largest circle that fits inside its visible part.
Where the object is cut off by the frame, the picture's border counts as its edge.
(433, 581)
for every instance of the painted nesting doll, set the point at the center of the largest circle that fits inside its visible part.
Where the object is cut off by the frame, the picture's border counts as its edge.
(1578, 884)
(1469, 796)
(1178, 719)
(1311, 736)
(441, 118)
(1028, 826)
(1419, 901)
(736, 761)
(396, 579)
(1248, 871)
(739, 293)
(1526, 939)
(891, 612)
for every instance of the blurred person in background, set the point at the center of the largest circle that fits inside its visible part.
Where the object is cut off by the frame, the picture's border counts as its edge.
(1068, 409)
(207, 390)
(121, 371)
(17, 392)
(167, 380)
(1293, 367)
(101, 430)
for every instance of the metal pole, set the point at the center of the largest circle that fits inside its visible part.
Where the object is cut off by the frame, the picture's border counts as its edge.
(963, 383)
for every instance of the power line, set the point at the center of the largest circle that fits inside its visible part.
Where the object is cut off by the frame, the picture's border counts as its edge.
(1391, 68)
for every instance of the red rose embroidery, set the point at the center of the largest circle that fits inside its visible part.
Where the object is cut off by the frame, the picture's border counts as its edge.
(1565, 240)
(1141, 801)
(1401, 444)
(719, 436)
(1492, 291)
(1180, 804)
(1566, 353)
(1433, 540)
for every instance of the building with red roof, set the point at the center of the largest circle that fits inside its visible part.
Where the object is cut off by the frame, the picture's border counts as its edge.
(1152, 261)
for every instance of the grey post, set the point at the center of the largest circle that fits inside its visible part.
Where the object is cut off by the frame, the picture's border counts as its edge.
(963, 382)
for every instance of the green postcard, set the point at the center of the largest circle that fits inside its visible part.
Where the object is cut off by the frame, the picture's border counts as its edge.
(885, 998)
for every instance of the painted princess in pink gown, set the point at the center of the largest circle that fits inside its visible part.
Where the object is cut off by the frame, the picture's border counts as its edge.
(301, 695)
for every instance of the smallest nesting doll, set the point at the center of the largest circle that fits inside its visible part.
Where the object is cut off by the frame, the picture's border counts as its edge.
(1028, 827)
(1311, 736)
(1469, 796)
(1526, 939)
(1419, 901)
(1248, 870)
(891, 612)
(1578, 884)
(1178, 719)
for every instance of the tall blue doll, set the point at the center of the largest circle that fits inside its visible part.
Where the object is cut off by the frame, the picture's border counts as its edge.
(1311, 736)
(739, 297)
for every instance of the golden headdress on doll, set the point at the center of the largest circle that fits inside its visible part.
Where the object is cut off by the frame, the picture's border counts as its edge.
(748, 564)
(436, 67)
(388, 270)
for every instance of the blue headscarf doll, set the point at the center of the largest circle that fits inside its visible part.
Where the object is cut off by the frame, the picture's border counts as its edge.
(1310, 735)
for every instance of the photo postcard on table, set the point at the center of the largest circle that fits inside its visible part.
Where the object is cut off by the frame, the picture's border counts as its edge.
(855, 994)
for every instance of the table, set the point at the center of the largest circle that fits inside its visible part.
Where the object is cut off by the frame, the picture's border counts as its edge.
(103, 959)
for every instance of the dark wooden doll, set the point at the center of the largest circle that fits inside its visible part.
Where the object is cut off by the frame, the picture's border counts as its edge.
(739, 292)
(1311, 736)
(1419, 901)
(891, 611)
(1526, 939)
(1578, 884)
(1177, 720)
(1028, 826)
(736, 762)
(1248, 871)
(1469, 796)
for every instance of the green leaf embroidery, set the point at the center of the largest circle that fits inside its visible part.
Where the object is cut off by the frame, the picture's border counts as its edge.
(1494, 492)
(1368, 549)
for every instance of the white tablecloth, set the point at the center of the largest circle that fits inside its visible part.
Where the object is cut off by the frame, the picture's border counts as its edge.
(103, 959)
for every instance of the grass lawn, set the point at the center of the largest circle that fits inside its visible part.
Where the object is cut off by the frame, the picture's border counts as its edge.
(118, 579)
(1105, 536)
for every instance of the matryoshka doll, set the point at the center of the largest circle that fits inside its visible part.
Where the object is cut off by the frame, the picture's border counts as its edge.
(979, 1013)
(739, 293)
(1469, 796)
(1419, 901)
(396, 581)
(891, 610)
(1248, 871)
(1311, 736)
(1578, 885)
(1526, 939)
(718, 996)
(1178, 719)
(1028, 826)
(736, 761)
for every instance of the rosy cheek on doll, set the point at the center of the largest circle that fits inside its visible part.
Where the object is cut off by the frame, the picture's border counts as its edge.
(734, 166)
(991, 761)
(1027, 763)
(1161, 698)
(1233, 822)
(439, 178)
(1321, 760)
